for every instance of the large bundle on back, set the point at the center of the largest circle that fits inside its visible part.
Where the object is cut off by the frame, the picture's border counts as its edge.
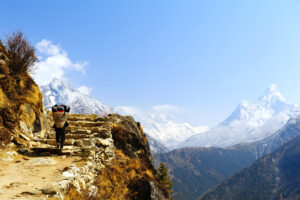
(60, 115)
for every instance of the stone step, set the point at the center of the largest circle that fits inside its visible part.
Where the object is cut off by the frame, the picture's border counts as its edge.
(86, 123)
(90, 119)
(68, 142)
(88, 130)
(78, 136)
(78, 131)
(71, 142)
(82, 115)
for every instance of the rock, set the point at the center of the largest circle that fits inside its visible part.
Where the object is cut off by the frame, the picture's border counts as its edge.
(75, 184)
(93, 191)
(49, 190)
(45, 125)
(19, 142)
(24, 137)
(87, 142)
(42, 161)
(157, 193)
(24, 128)
(32, 192)
(7, 159)
(11, 153)
(23, 151)
(68, 174)
(82, 183)
(101, 142)
(101, 132)
(27, 115)
(63, 185)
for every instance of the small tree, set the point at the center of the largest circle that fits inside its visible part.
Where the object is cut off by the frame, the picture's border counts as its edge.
(163, 177)
(20, 52)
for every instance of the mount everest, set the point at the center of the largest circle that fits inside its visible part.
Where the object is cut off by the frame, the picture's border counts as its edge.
(249, 122)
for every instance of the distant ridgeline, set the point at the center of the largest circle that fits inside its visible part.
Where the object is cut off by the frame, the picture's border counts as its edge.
(196, 170)
(275, 176)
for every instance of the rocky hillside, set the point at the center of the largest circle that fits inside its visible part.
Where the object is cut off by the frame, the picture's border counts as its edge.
(276, 176)
(103, 158)
(21, 107)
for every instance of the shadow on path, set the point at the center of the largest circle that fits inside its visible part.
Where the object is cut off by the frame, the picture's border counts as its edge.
(42, 152)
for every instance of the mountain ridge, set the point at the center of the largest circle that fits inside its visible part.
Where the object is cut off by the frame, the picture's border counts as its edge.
(249, 122)
(61, 92)
(275, 176)
(193, 177)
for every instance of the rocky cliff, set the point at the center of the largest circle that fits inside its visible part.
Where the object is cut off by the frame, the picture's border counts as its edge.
(21, 107)
(103, 158)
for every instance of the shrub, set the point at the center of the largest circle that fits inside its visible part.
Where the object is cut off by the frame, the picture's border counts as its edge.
(163, 177)
(21, 53)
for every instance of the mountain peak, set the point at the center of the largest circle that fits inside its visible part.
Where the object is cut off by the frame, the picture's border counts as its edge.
(60, 85)
(273, 88)
(272, 94)
(61, 92)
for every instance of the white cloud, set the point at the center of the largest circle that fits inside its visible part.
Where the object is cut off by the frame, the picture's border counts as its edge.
(54, 62)
(48, 48)
(85, 90)
(161, 123)
(127, 110)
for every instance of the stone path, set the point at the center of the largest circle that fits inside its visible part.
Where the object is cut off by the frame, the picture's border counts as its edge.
(45, 171)
(23, 177)
(83, 132)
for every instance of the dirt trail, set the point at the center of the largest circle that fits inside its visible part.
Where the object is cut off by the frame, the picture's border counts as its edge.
(23, 177)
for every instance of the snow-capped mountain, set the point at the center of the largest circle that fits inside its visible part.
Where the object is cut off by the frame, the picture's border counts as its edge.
(249, 122)
(155, 146)
(163, 130)
(163, 126)
(60, 92)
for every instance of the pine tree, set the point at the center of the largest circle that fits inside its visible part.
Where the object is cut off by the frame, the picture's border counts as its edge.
(163, 177)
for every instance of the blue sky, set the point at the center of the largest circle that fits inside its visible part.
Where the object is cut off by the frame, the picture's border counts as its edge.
(203, 56)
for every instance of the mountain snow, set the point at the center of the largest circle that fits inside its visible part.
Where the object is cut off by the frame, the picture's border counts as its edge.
(249, 122)
(60, 92)
(162, 125)
(163, 130)
(155, 146)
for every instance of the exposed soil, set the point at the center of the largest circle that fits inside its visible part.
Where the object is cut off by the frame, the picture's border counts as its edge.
(23, 177)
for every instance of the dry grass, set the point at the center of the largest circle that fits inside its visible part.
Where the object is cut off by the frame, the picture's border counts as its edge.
(16, 89)
(5, 136)
(3, 99)
(118, 181)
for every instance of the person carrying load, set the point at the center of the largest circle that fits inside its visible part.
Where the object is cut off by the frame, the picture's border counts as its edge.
(60, 117)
